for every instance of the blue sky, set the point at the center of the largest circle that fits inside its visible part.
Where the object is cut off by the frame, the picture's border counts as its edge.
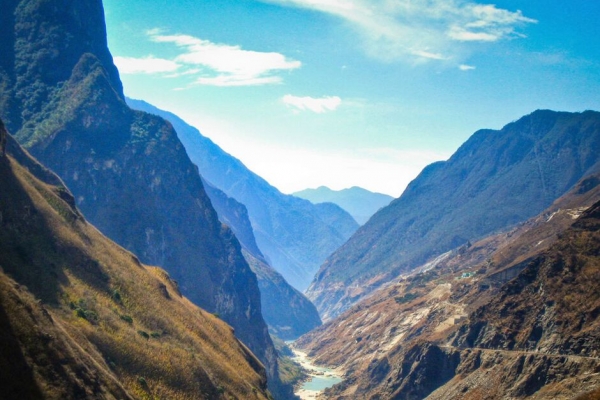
(354, 92)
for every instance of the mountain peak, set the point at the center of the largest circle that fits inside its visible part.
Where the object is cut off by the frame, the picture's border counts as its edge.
(359, 202)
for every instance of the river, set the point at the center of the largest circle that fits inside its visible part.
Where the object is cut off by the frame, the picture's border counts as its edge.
(320, 377)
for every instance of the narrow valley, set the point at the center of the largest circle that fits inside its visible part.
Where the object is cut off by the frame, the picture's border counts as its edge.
(299, 200)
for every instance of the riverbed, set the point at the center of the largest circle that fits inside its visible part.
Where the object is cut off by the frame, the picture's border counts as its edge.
(320, 378)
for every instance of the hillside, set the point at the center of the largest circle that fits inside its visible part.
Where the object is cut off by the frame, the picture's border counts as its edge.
(289, 231)
(80, 317)
(129, 173)
(287, 312)
(359, 202)
(235, 215)
(494, 180)
(513, 315)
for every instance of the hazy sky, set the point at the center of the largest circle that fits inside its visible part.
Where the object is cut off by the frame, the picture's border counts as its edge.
(354, 92)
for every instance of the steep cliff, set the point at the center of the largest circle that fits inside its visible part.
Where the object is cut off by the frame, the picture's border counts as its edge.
(288, 313)
(129, 173)
(293, 234)
(494, 180)
(42, 41)
(80, 317)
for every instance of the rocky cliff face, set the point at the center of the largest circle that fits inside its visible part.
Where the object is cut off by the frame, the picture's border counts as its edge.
(81, 317)
(235, 215)
(42, 41)
(462, 330)
(129, 173)
(288, 313)
(496, 179)
(293, 234)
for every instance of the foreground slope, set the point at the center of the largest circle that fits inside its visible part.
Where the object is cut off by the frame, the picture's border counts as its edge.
(287, 312)
(514, 315)
(80, 317)
(495, 179)
(293, 234)
(129, 173)
(359, 202)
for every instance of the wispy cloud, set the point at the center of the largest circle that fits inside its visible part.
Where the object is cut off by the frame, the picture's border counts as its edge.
(145, 65)
(317, 105)
(420, 30)
(211, 63)
(465, 67)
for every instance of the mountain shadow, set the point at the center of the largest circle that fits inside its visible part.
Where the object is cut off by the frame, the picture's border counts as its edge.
(291, 232)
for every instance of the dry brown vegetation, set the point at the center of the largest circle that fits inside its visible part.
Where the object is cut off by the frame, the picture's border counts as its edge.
(78, 311)
(485, 321)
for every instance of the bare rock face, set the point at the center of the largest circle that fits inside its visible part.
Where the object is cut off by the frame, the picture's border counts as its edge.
(287, 312)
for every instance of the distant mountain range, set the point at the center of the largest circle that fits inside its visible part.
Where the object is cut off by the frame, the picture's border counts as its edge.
(494, 180)
(359, 202)
(294, 235)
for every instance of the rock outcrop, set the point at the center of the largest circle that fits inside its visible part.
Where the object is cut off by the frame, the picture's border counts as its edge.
(287, 312)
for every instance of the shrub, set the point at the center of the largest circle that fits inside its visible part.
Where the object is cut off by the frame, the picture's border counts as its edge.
(82, 311)
(406, 298)
(144, 334)
(116, 296)
(127, 319)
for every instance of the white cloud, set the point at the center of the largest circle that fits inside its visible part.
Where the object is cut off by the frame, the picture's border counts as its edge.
(317, 105)
(465, 67)
(210, 63)
(420, 30)
(226, 65)
(145, 65)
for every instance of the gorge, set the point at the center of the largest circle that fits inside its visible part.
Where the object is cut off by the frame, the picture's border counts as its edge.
(141, 260)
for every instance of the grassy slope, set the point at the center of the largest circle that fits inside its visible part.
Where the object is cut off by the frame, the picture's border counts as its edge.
(84, 316)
